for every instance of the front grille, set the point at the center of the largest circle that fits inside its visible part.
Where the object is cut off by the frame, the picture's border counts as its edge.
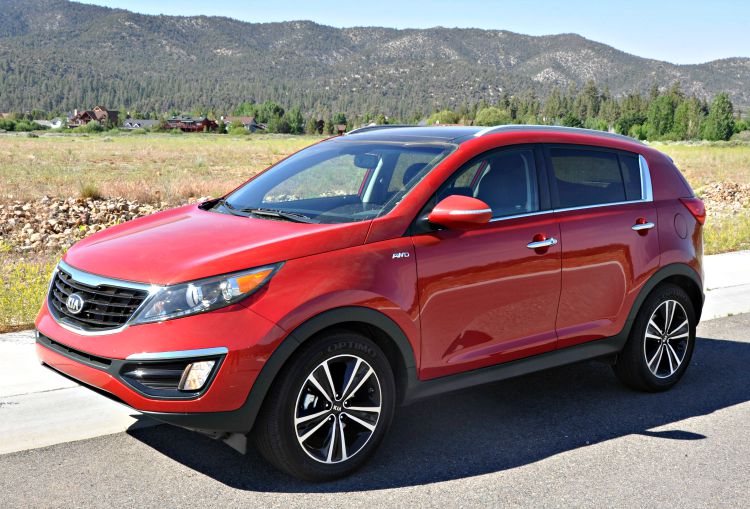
(105, 306)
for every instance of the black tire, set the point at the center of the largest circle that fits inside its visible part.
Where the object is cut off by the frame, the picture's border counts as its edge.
(663, 370)
(279, 436)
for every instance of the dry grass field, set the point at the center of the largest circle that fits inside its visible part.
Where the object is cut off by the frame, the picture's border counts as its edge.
(148, 168)
(706, 163)
(164, 170)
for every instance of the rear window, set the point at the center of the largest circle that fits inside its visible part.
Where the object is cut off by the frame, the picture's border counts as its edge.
(594, 177)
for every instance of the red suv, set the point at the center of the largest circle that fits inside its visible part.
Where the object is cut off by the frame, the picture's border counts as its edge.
(379, 267)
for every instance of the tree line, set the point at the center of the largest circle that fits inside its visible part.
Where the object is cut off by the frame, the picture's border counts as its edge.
(659, 115)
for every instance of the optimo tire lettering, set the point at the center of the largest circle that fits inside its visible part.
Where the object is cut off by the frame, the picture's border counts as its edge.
(341, 345)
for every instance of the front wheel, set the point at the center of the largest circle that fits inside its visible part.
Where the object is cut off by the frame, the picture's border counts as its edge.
(661, 341)
(329, 409)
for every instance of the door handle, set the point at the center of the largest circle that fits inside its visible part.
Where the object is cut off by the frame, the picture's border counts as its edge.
(638, 227)
(539, 244)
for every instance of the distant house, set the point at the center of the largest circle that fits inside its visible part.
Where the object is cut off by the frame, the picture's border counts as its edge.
(190, 124)
(140, 123)
(339, 129)
(98, 114)
(249, 123)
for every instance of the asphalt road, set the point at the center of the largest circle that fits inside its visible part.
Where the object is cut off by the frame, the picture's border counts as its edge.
(572, 436)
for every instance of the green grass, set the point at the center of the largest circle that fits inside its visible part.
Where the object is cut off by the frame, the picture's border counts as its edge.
(727, 233)
(23, 285)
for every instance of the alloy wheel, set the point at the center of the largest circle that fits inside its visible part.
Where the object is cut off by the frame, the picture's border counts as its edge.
(337, 409)
(666, 340)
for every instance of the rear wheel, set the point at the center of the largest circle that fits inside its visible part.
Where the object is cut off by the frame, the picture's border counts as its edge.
(329, 409)
(661, 341)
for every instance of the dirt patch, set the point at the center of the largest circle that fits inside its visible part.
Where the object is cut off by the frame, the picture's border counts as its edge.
(725, 196)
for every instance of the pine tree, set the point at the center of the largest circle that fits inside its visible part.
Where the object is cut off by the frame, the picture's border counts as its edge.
(311, 126)
(719, 124)
(688, 119)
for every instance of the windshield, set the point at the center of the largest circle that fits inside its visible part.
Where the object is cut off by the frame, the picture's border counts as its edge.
(337, 181)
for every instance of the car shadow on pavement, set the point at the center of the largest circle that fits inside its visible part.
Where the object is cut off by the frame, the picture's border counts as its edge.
(494, 427)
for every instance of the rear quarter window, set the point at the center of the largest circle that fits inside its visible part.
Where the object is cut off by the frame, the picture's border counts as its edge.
(631, 174)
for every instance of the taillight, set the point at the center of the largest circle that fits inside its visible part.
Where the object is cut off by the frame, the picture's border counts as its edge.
(696, 207)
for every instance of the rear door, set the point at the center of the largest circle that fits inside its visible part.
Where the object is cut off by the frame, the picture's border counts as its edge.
(608, 228)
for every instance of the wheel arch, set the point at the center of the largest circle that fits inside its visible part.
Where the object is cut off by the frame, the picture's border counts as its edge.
(680, 274)
(370, 322)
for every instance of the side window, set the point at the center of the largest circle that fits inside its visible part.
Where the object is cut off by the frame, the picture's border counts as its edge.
(587, 177)
(631, 174)
(506, 180)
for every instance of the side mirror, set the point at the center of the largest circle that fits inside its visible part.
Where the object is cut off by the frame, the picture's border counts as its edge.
(457, 211)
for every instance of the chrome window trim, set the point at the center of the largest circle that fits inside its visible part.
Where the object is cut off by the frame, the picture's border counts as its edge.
(178, 354)
(90, 279)
(517, 216)
(647, 191)
(647, 195)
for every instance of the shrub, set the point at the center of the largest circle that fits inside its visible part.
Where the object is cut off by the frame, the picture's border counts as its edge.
(638, 132)
(598, 124)
(238, 131)
(570, 120)
(89, 190)
(443, 117)
(492, 116)
(91, 127)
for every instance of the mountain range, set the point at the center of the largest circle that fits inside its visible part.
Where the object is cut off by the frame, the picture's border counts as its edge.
(60, 55)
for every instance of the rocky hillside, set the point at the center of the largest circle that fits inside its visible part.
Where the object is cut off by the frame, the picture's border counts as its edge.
(60, 54)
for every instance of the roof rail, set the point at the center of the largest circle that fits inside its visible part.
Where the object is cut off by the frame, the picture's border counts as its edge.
(553, 128)
(374, 127)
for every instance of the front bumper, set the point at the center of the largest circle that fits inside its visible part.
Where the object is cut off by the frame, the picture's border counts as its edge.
(246, 341)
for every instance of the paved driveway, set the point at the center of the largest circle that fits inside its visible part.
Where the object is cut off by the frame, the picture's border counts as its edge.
(571, 436)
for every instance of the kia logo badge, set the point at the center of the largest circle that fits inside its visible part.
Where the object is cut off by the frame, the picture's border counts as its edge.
(74, 303)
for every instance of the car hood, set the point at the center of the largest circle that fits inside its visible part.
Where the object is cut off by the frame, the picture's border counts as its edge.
(189, 243)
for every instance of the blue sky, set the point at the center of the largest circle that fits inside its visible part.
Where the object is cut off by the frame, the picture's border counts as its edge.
(683, 32)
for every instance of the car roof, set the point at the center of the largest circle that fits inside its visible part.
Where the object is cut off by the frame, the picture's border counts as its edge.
(460, 134)
(413, 133)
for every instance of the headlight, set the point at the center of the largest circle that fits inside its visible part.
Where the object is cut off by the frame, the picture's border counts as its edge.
(203, 295)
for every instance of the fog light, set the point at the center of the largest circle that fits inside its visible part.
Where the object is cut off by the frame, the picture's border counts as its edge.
(195, 375)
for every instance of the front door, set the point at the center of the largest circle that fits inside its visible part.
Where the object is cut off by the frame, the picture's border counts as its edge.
(488, 295)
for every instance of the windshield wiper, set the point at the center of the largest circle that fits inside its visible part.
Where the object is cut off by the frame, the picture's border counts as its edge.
(229, 207)
(281, 214)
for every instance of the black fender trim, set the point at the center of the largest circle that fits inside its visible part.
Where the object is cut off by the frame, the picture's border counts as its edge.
(671, 270)
(243, 419)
